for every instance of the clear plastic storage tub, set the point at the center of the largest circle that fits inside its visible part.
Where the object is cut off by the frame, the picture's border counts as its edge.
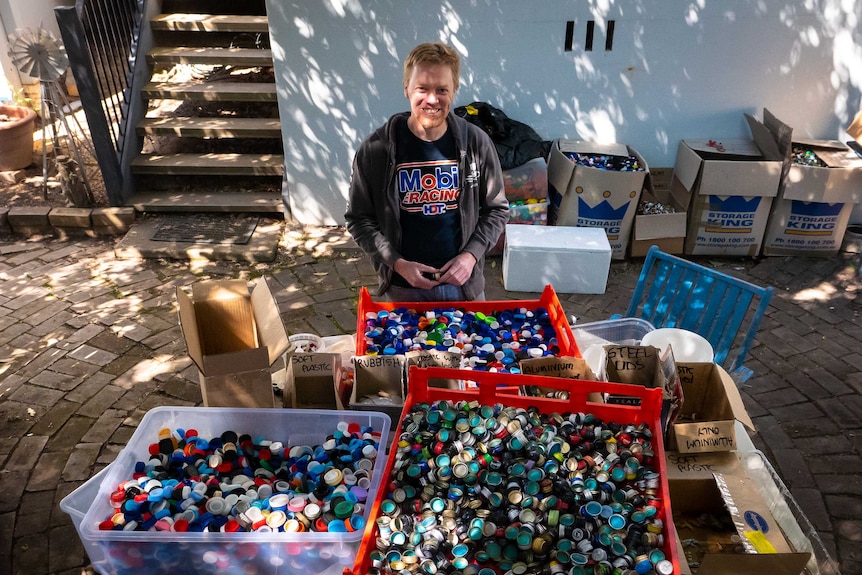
(76, 505)
(120, 552)
(621, 331)
(796, 526)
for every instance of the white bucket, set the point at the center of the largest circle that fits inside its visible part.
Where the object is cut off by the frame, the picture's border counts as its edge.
(852, 239)
(307, 342)
(687, 346)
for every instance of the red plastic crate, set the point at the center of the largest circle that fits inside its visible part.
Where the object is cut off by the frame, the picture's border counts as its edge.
(497, 388)
(548, 300)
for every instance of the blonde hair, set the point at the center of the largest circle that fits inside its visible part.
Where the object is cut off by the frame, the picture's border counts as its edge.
(433, 53)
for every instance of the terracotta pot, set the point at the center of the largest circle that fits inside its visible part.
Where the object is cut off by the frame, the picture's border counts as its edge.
(16, 137)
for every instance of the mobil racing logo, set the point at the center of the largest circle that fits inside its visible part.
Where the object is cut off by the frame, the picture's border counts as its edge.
(430, 188)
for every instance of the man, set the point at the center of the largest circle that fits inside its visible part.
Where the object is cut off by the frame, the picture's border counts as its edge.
(426, 195)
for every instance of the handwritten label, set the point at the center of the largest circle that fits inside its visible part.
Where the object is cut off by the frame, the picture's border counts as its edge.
(685, 372)
(705, 442)
(528, 368)
(369, 361)
(434, 358)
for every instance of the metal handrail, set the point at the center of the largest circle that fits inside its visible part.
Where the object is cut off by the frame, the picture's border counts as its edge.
(102, 40)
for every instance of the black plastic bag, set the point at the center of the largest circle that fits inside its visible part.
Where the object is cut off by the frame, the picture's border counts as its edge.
(516, 142)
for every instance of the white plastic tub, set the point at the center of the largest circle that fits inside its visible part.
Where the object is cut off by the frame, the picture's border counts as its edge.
(120, 552)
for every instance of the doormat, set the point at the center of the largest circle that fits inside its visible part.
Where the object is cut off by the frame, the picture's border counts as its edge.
(205, 229)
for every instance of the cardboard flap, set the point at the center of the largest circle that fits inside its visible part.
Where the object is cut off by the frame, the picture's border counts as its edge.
(774, 564)
(436, 358)
(735, 399)
(270, 328)
(763, 139)
(754, 523)
(560, 170)
(854, 130)
(822, 146)
(781, 133)
(235, 362)
(239, 389)
(838, 157)
(579, 147)
(728, 148)
(686, 167)
(190, 328)
(657, 226)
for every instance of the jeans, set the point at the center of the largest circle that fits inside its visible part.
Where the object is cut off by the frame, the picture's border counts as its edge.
(442, 292)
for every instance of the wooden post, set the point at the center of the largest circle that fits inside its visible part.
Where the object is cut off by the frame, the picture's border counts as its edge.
(72, 183)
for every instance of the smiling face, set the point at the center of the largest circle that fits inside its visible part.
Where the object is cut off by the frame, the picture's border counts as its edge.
(431, 89)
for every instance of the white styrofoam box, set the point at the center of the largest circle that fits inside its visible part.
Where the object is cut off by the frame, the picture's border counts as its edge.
(571, 259)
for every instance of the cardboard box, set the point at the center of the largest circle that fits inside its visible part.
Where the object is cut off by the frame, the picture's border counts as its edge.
(667, 230)
(740, 536)
(379, 383)
(712, 405)
(591, 197)
(571, 259)
(810, 214)
(730, 185)
(233, 338)
(645, 366)
(313, 381)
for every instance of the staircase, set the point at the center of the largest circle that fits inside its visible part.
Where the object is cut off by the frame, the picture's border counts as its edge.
(211, 136)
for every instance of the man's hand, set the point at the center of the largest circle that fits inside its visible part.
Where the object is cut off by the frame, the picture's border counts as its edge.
(418, 274)
(458, 270)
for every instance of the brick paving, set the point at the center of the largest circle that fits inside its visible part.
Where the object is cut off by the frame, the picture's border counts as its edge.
(89, 342)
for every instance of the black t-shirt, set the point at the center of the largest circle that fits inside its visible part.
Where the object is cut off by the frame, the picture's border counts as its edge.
(429, 192)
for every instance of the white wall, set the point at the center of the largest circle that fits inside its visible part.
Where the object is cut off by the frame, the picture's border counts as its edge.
(15, 14)
(677, 70)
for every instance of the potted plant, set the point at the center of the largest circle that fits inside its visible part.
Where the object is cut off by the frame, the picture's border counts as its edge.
(16, 137)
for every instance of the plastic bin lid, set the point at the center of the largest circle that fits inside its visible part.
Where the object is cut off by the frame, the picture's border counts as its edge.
(558, 238)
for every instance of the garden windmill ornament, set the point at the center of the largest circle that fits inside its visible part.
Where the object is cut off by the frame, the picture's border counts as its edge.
(39, 54)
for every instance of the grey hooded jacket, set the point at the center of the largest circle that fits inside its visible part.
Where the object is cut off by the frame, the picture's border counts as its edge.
(373, 211)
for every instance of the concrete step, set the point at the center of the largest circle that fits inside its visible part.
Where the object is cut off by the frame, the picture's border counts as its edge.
(170, 55)
(211, 91)
(210, 164)
(261, 247)
(224, 127)
(230, 202)
(210, 23)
